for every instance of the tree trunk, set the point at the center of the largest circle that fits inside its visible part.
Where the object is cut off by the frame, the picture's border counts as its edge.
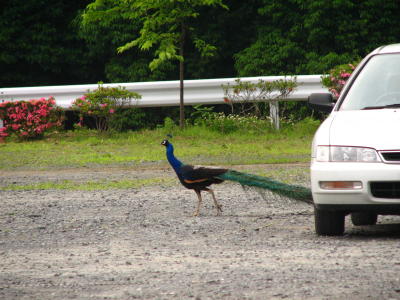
(181, 75)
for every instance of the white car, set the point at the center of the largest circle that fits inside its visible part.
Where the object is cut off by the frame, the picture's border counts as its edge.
(355, 166)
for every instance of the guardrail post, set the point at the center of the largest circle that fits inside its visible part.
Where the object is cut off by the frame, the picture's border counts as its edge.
(274, 113)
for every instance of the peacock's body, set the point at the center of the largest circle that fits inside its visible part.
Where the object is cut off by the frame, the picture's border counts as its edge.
(200, 178)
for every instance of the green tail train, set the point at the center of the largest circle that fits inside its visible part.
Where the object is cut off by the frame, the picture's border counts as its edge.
(296, 192)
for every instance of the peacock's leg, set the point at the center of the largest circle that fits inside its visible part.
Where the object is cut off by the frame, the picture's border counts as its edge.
(217, 205)
(197, 211)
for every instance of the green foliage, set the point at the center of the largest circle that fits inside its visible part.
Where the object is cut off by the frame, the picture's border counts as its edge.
(48, 43)
(270, 54)
(165, 25)
(160, 24)
(200, 111)
(295, 111)
(128, 118)
(229, 31)
(222, 123)
(317, 64)
(39, 44)
(105, 29)
(105, 26)
(102, 103)
(310, 37)
(169, 127)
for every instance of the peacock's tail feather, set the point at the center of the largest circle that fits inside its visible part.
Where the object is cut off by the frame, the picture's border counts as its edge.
(296, 192)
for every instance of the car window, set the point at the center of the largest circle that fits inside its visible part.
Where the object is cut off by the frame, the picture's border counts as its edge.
(377, 85)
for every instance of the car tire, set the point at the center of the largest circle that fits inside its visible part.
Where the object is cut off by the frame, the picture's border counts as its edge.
(328, 222)
(364, 218)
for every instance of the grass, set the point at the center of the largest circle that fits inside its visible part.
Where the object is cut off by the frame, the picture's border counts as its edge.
(89, 185)
(195, 144)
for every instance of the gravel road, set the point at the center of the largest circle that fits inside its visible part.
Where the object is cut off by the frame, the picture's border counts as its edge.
(144, 244)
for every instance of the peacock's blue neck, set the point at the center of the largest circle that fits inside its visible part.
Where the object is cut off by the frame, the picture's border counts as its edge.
(175, 163)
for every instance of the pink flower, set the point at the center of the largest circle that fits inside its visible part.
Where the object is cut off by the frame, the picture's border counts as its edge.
(345, 75)
(112, 111)
(335, 93)
(3, 132)
(103, 104)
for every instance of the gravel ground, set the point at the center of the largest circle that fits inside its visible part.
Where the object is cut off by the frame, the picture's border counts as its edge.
(144, 244)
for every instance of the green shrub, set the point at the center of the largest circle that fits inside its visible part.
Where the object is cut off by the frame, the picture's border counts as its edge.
(128, 118)
(230, 123)
(102, 103)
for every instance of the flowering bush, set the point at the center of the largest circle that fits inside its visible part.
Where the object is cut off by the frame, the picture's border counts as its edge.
(29, 119)
(337, 78)
(102, 103)
(3, 133)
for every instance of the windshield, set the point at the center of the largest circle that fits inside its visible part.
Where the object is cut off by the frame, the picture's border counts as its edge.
(377, 86)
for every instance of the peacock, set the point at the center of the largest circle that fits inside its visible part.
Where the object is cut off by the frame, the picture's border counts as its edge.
(200, 178)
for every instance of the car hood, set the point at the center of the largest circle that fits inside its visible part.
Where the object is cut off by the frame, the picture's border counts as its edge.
(378, 129)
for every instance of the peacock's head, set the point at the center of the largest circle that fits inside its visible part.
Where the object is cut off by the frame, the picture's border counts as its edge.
(165, 143)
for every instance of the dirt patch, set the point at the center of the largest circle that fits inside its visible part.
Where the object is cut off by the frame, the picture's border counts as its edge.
(144, 244)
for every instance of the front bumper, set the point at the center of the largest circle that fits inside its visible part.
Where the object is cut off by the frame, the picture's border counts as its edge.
(344, 171)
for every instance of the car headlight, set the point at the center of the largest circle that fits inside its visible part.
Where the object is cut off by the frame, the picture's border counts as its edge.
(346, 154)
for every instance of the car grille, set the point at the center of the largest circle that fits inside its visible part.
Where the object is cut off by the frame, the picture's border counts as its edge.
(386, 189)
(391, 156)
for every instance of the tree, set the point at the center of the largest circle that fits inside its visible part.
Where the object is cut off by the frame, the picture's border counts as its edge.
(39, 44)
(165, 25)
(312, 36)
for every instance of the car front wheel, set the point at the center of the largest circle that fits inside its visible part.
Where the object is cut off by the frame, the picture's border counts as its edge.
(329, 222)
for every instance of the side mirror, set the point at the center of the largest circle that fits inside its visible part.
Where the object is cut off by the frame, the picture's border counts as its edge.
(321, 101)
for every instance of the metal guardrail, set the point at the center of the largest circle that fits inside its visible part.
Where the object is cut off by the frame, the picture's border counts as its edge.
(161, 93)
